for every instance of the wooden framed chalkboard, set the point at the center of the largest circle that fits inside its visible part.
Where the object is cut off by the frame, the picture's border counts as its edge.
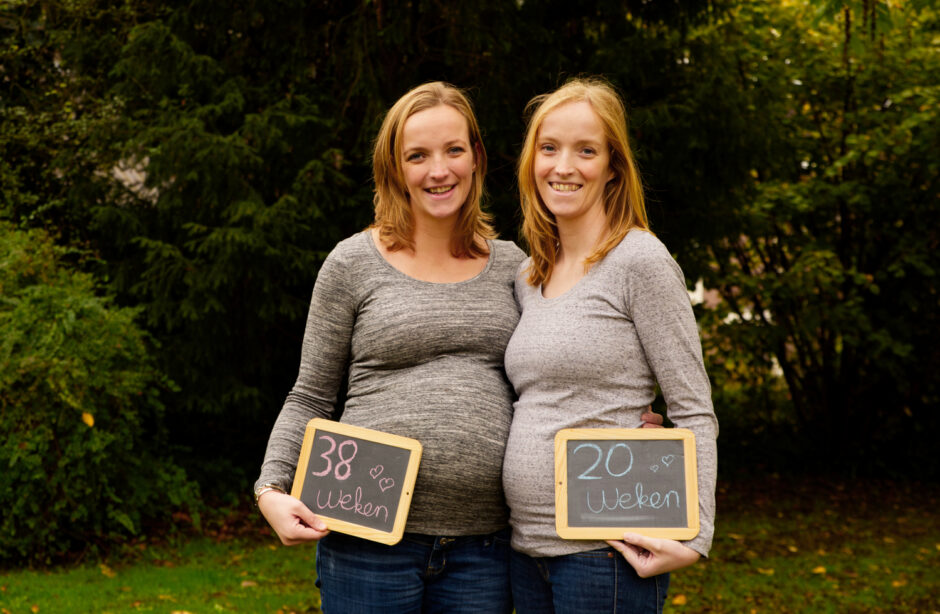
(608, 481)
(359, 481)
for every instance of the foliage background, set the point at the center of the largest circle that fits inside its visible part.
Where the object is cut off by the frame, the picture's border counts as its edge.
(197, 160)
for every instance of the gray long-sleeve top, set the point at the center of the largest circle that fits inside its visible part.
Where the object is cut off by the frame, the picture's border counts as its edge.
(591, 358)
(425, 360)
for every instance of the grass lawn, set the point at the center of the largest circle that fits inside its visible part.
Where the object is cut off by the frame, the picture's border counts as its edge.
(782, 545)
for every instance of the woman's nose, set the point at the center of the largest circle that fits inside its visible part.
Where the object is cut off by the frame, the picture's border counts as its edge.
(563, 165)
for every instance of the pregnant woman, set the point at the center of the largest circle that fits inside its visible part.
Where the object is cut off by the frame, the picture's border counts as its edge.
(605, 318)
(415, 312)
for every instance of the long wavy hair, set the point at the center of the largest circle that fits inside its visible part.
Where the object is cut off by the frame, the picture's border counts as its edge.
(393, 216)
(624, 205)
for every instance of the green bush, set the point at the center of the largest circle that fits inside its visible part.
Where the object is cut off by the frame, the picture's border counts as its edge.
(81, 464)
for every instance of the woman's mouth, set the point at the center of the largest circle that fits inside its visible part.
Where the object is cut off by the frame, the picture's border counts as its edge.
(564, 187)
(438, 190)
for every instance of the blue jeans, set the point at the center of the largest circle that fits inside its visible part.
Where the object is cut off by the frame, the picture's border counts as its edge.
(421, 573)
(594, 581)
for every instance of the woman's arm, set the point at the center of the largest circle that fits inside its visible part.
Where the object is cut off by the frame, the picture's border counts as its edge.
(659, 305)
(323, 363)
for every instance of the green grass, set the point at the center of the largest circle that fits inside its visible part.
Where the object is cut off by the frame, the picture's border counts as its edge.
(781, 546)
(814, 546)
(202, 575)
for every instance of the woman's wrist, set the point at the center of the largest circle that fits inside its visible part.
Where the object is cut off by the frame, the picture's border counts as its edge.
(266, 488)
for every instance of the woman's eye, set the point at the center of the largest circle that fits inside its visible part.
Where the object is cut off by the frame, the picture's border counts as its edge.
(547, 148)
(456, 150)
(412, 157)
(588, 151)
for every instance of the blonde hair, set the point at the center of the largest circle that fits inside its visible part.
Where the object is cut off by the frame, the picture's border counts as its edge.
(623, 195)
(393, 215)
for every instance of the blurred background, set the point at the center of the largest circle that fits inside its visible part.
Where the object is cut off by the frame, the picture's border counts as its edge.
(172, 174)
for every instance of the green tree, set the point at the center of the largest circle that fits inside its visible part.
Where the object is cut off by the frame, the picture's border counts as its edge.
(83, 447)
(826, 258)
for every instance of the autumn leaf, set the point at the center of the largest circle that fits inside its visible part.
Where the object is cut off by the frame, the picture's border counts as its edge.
(107, 571)
(898, 583)
(819, 569)
(88, 419)
(247, 583)
(34, 608)
(679, 600)
(765, 572)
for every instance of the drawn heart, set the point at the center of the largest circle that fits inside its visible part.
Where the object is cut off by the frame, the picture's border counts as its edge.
(376, 471)
(667, 460)
(386, 483)
(654, 468)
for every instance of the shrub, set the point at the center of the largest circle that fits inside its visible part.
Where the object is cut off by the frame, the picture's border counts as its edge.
(81, 457)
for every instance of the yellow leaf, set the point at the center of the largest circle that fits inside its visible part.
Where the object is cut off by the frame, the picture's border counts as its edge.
(248, 583)
(88, 419)
(735, 536)
(679, 600)
(819, 569)
(34, 608)
(793, 549)
(107, 571)
(889, 540)
(898, 583)
(765, 572)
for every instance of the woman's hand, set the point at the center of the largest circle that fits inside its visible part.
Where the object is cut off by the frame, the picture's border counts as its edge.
(293, 521)
(651, 556)
(651, 420)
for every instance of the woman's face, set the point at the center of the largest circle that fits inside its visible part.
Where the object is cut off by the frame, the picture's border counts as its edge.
(437, 162)
(572, 162)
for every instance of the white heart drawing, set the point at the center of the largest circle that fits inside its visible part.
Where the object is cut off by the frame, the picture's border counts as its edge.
(667, 460)
(654, 468)
(386, 483)
(376, 471)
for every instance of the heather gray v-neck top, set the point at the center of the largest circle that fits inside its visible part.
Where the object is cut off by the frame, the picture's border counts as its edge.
(425, 360)
(591, 358)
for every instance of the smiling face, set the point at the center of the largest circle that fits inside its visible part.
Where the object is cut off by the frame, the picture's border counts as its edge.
(572, 162)
(437, 162)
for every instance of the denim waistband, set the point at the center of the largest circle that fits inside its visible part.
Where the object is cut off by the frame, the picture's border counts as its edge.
(443, 540)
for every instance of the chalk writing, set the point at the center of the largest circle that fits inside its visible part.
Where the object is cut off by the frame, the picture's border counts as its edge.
(352, 503)
(635, 500)
(345, 462)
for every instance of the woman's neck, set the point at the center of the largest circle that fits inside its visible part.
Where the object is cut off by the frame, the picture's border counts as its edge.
(578, 238)
(434, 239)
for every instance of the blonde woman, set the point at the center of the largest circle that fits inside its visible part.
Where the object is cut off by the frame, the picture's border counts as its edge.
(417, 309)
(605, 317)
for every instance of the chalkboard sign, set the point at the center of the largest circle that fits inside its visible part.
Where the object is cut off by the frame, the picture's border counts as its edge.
(359, 481)
(608, 481)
